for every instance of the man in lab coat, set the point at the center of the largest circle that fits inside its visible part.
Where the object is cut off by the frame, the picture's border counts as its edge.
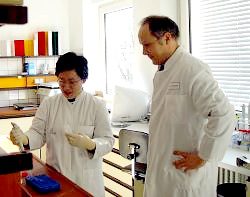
(191, 122)
(74, 125)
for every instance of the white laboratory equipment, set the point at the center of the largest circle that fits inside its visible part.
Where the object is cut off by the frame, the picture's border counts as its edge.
(241, 136)
(248, 115)
(133, 145)
(129, 104)
(243, 116)
(48, 89)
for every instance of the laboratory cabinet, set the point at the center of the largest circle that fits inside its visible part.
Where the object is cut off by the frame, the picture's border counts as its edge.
(31, 80)
(13, 67)
(18, 87)
(19, 81)
(12, 12)
(117, 181)
(12, 82)
(117, 178)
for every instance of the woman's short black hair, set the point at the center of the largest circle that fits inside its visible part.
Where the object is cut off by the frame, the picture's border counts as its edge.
(71, 61)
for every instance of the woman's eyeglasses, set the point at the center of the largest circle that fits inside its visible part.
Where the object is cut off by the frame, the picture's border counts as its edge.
(70, 82)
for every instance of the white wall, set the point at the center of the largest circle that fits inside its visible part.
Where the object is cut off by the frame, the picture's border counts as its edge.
(143, 68)
(78, 23)
(92, 46)
(75, 17)
(42, 16)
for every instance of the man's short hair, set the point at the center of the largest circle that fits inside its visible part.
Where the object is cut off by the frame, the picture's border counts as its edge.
(158, 25)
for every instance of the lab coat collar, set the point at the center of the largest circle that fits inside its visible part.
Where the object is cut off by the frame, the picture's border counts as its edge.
(174, 57)
(161, 67)
(82, 94)
(72, 100)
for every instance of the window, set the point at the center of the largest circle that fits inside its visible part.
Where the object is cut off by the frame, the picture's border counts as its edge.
(220, 36)
(119, 47)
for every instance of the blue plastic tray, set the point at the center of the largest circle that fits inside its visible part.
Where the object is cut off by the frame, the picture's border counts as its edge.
(42, 183)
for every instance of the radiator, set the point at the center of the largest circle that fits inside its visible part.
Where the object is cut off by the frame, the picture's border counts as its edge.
(229, 176)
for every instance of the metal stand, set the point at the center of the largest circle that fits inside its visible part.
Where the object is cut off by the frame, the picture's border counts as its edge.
(132, 156)
(133, 146)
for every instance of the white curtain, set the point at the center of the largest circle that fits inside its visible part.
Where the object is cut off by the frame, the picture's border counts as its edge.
(220, 36)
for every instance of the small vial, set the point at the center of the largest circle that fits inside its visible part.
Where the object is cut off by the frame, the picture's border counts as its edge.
(24, 174)
(243, 116)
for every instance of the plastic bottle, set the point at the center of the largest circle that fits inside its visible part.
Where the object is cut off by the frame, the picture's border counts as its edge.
(248, 115)
(245, 139)
(243, 116)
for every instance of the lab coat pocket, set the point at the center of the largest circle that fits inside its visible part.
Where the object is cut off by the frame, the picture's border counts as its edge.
(90, 163)
(51, 132)
(196, 177)
(50, 135)
(87, 130)
(191, 179)
(176, 106)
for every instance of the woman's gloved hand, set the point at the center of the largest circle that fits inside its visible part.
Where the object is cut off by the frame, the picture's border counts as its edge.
(80, 140)
(17, 136)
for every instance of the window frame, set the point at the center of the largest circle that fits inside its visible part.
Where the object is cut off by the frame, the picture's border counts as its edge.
(104, 9)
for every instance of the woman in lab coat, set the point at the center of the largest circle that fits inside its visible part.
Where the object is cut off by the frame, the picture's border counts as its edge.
(192, 120)
(75, 127)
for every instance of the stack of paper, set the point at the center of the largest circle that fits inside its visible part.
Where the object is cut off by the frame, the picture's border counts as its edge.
(6, 48)
(29, 47)
(46, 43)
(19, 47)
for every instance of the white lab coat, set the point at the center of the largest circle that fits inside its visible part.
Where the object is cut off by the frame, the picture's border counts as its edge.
(86, 115)
(184, 94)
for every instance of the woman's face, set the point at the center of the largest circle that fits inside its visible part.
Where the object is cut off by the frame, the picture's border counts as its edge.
(70, 84)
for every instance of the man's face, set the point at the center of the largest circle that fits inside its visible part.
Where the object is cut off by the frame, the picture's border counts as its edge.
(70, 84)
(155, 48)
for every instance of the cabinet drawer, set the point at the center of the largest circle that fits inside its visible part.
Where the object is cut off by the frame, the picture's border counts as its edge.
(31, 80)
(118, 189)
(117, 159)
(120, 175)
(13, 82)
(50, 78)
(44, 79)
(116, 144)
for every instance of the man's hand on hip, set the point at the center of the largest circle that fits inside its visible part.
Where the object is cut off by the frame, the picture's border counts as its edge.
(189, 161)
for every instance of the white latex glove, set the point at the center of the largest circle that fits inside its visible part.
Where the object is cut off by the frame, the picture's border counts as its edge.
(17, 136)
(81, 141)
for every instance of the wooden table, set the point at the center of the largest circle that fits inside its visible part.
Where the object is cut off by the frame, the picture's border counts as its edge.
(10, 185)
(68, 188)
(10, 112)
